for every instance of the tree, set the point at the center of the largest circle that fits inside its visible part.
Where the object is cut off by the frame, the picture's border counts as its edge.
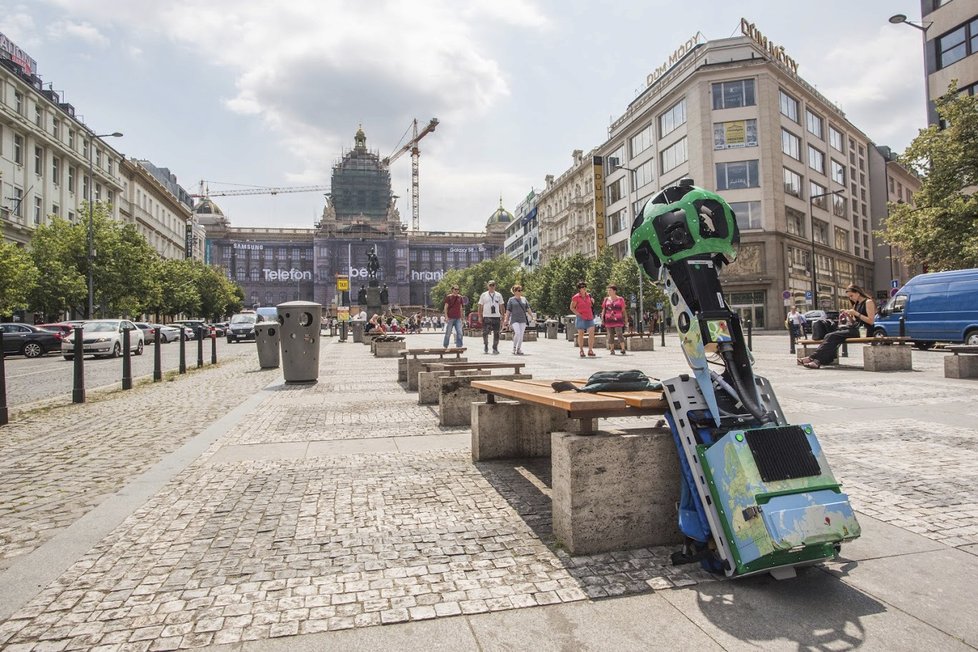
(571, 271)
(217, 295)
(18, 276)
(940, 229)
(123, 266)
(599, 271)
(60, 248)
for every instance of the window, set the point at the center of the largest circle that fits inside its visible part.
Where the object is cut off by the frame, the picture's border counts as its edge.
(814, 124)
(38, 206)
(841, 239)
(18, 149)
(817, 194)
(71, 139)
(839, 206)
(792, 182)
(641, 141)
(56, 129)
(674, 156)
(795, 221)
(55, 209)
(732, 94)
(38, 161)
(613, 160)
(616, 190)
(957, 44)
(816, 159)
(748, 214)
(835, 139)
(791, 144)
(735, 134)
(38, 116)
(674, 118)
(643, 174)
(789, 107)
(820, 232)
(19, 102)
(838, 172)
(18, 197)
(71, 178)
(737, 174)
(56, 170)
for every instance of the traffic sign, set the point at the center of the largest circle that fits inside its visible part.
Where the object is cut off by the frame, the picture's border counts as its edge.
(658, 305)
(895, 283)
(893, 292)
(808, 295)
(786, 295)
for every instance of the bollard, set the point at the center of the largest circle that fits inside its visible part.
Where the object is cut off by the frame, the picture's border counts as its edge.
(213, 346)
(791, 338)
(662, 329)
(903, 326)
(844, 351)
(343, 328)
(200, 347)
(750, 339)
(126, 361)
(157, 358)
(78, 390)
(183, 351)
(3, 386)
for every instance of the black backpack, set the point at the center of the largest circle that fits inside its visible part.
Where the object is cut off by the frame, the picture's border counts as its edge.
(631, 380)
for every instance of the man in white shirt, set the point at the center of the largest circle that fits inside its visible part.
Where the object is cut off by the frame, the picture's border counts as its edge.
(493, 310)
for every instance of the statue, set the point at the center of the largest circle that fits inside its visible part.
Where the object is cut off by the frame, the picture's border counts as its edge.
(362, 296)
(384, 296)
(373, 263)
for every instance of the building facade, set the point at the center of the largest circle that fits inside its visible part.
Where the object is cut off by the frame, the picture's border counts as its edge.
(735, 116)
(950, 48)
(523, 234)
(571, 214)
(277, 265)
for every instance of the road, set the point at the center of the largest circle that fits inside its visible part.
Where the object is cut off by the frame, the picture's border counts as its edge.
(50, 377)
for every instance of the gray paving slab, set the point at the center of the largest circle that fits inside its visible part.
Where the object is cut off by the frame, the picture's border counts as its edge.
(242, 452)
(460, 440)
(321, 448)
(880, 539)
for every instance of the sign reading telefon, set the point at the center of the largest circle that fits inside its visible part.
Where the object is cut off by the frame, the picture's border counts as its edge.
(286, 275)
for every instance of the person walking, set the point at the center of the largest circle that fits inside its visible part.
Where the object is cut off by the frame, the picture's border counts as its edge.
(493, 310)
(796, 322)
(862, 313)
(518, 315)
(582, 305)
(615, 318)
(453, 317)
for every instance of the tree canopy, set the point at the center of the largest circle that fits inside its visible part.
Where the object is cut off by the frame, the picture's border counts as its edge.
(17, 276)
(940, 228)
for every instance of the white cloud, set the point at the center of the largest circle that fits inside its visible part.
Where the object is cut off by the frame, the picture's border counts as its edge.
(82, 31)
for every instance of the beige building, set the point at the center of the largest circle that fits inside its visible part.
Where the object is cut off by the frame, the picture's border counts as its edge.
(47, 167)
(950, 32)
(735, 115)
(571, 218)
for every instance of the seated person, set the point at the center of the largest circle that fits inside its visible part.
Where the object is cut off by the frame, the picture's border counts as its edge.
(862, 313)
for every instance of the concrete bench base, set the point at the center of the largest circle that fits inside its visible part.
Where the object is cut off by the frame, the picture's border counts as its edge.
(388, 349)
(641, 343)
(413, 367)
(430, 382)
(961, 366)
(892, 357)
(508, 429)
(457, 396)
(614, 490)
(600, 341)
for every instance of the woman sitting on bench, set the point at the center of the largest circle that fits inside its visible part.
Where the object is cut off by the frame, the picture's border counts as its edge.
(862, 313)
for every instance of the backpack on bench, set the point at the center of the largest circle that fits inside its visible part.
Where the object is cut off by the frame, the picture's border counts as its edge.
(631, 380)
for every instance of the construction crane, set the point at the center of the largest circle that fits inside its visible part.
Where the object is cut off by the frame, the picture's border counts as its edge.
(412, 146)
(205, 191)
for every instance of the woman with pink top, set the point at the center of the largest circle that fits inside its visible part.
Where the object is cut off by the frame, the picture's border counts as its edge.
(582, 305)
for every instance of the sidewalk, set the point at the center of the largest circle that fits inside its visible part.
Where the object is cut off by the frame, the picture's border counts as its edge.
(227, 509)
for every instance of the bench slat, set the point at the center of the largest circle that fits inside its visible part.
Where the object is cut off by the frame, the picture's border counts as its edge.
(861, 340)
(538, 394)
(645, 399)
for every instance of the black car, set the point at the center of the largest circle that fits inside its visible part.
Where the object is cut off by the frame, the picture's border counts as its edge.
(29, 341)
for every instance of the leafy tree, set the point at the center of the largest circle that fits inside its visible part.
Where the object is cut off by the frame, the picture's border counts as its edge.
(572, 270)
(599, 272)
(472, 280)
(18, 276)
(538, 286)
(216, 292)
(123, 266)
(179, 294)
(941, 228)
(60, 248)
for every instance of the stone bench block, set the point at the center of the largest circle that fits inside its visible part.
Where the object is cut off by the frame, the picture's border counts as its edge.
(457, 396)
(402, 369)
(889, 357)
(961, 366)
(414, 366)
(615, 490)
(430, 383)
(388, 349)
(510, 429)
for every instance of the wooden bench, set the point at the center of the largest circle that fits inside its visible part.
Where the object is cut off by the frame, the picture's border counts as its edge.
(883, 354)
(408, 365)
(963, 361)
(611, 489)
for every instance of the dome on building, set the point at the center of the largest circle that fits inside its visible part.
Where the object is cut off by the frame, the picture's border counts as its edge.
(501, 216)
(206, 206)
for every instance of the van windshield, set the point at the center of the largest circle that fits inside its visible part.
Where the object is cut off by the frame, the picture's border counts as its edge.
(243, 319)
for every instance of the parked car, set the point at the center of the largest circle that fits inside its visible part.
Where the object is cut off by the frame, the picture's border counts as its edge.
(242, 326)
(219, 328)
(63, 327)
(167, 332)
(815, 315)
(191, 327)
(938, 307)
(103, 337)
(29, 341)
(149, 331)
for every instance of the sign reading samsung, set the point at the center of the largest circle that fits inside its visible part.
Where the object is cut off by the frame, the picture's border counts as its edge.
(286, 275)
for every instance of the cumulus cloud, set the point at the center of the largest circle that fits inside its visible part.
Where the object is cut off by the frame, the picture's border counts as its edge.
(82, 31)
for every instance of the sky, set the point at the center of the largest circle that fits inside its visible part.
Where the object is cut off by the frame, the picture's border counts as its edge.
(245, 93)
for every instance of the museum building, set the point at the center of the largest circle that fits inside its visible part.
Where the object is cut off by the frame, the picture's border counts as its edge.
(274, 265)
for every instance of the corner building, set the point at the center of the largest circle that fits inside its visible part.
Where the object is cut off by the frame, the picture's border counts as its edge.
(277, 265)
(735, 116)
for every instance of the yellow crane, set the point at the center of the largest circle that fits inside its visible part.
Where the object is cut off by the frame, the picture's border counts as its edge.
(412, 146)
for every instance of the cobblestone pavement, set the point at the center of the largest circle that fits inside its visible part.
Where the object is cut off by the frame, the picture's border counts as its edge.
(261, 547)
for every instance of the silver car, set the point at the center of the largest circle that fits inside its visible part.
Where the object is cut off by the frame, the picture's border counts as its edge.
(103, 337)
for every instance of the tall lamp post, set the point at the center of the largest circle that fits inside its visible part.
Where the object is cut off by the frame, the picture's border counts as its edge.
(811, 217)
(641, 272)
(91, 217)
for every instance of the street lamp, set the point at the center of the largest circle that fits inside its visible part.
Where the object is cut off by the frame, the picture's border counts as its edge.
(896, 19)
(628, 212)
(91, 217)
(811, 216)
